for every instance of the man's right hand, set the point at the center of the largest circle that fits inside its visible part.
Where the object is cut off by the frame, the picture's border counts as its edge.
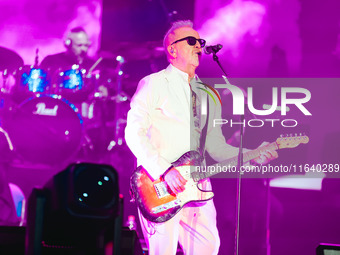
(175, 180)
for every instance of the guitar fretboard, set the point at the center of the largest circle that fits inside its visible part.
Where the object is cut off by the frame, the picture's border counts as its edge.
(247, 156)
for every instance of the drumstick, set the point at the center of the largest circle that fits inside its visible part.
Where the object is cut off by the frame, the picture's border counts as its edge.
(10, 145)
(95, 65)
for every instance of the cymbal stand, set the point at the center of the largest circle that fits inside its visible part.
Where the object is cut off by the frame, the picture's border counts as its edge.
(4, 92)
(118, 139)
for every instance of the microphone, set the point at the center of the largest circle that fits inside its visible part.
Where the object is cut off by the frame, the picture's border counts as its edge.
(212, 48)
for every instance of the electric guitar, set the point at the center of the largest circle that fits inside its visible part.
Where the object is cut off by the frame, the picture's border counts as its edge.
(158, 203)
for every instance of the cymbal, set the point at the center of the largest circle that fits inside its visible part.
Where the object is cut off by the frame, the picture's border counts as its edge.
(9, 59)
(106, 54)
(136, 51)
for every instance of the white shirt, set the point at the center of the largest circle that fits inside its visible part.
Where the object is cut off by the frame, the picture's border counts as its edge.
(160, 124)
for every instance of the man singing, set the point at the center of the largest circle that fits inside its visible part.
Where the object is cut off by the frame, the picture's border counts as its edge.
(165, 122)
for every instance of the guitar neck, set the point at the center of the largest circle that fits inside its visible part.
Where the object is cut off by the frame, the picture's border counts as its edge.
(247, 156)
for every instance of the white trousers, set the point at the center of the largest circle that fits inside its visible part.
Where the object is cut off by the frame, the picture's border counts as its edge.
(194, 227)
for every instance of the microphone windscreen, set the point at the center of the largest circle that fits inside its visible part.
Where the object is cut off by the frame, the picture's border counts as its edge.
(207, 50)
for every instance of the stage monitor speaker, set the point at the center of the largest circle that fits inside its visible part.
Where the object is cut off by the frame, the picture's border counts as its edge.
(74, 211)
(328, 249)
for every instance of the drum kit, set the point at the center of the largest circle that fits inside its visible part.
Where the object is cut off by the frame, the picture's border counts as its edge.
(54, 119)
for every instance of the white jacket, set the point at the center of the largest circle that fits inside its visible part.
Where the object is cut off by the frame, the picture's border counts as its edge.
(160, 125)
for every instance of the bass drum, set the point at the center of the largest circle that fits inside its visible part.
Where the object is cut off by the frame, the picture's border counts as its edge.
(46, 129)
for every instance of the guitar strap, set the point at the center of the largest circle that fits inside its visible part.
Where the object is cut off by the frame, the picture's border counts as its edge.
(203, 137)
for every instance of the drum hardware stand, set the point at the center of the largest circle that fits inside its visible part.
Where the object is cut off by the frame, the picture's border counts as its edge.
(4, 80)
(118, 140)
(87, 143)
(2, 93)
(36, 60)
(86, 146)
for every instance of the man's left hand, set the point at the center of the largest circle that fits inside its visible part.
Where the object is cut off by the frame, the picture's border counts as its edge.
(265, 156)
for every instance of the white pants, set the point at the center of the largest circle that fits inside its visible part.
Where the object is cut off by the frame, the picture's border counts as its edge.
(194, 227)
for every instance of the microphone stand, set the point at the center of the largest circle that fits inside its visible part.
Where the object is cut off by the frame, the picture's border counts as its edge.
(239, 165)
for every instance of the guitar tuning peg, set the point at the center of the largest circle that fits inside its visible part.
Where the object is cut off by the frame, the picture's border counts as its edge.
(300, 134)
(281, 135)
(291, 135)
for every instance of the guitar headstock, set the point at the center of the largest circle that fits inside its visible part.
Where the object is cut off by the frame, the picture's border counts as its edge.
(291, 141)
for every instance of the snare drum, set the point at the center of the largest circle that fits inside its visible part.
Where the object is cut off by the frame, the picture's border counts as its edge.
(46, 129)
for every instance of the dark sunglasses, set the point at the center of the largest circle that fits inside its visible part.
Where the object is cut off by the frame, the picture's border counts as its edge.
(191, 41)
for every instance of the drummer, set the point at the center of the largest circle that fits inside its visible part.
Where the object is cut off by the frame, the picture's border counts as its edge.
(71, 71)
(77, 44)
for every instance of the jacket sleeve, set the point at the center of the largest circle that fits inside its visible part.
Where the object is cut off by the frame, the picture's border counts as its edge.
(138, 123)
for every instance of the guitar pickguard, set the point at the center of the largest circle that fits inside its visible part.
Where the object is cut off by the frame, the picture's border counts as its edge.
(156, 202)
